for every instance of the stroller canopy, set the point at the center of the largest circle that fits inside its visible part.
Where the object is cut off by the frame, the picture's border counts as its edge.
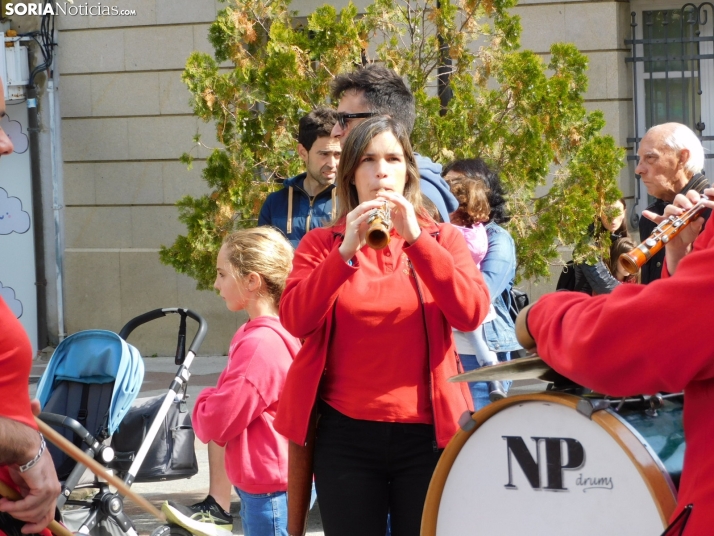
(96, 356)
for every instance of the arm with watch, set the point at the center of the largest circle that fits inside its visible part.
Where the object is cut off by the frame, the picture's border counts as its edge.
(28, 463)
(25, 462)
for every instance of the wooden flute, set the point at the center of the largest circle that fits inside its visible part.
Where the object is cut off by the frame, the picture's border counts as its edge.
(661, 235)
(379, 224)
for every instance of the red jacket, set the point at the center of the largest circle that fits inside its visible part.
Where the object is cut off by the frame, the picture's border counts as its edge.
(454, 295)
(15, 366)
(597, 342)
(240, 410)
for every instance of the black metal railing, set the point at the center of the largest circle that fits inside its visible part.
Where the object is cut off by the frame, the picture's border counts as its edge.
(667, 62)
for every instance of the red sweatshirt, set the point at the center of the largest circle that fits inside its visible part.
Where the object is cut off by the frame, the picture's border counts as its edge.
(15, 365)
(454, 293)
(596, 342)
(239, 412)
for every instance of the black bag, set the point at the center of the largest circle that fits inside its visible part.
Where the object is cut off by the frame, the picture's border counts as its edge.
(171, 456)
(519, 300)
(566, 281)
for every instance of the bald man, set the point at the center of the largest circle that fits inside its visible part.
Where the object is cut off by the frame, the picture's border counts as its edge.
(671, 162)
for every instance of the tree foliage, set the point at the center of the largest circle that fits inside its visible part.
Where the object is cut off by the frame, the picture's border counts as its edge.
(522, 115)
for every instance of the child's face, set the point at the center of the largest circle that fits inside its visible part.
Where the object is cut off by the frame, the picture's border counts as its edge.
(620, 274)
(233, 290)
(613, 224)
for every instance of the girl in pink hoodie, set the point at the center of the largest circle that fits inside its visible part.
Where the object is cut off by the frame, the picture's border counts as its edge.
(238, 413)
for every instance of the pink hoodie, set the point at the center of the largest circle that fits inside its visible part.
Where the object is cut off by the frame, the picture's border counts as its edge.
(476, 240)
(239, 412)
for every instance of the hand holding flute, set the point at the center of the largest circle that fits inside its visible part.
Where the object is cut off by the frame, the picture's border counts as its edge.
(677, 229)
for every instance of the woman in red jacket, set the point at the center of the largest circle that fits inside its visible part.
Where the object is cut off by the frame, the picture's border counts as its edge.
(378, 347)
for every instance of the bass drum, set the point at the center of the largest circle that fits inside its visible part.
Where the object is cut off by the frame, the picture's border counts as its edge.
(538, 464)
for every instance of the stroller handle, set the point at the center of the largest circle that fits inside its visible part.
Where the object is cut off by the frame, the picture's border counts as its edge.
(160, 313)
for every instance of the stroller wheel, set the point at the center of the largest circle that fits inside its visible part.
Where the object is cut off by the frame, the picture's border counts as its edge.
(170, 530)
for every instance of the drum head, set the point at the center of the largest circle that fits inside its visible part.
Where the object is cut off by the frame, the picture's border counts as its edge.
(533, 464)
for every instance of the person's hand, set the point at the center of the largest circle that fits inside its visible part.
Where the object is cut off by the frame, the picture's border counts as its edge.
(39, 488)
(403, 216)
(356, 228)
(522, 334)
(680, 245)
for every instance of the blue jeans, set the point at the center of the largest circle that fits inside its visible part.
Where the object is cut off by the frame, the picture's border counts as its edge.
(479, 390)
(265, 514)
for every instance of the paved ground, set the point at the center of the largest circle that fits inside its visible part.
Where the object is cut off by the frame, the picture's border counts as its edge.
(204, 372)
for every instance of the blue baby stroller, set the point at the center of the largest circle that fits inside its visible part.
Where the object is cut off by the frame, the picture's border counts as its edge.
(88, 394)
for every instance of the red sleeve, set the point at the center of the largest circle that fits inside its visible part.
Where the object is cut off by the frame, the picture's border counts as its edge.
(639, 339)
(15, 365)
(223, 412)
(450, 274)
(313, 284)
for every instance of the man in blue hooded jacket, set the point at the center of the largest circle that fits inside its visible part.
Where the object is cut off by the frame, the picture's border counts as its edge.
(307, 201)
(376, 90)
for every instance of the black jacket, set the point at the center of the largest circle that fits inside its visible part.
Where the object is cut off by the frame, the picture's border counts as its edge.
(588, 278)
(652, 270)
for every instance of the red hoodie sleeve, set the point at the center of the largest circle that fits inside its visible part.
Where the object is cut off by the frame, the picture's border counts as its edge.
(313, 285)
(639, 339)
(223, 412)
(15, 364)
(449, 272)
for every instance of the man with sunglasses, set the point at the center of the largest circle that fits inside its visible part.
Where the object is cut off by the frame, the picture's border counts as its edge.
(376, 90)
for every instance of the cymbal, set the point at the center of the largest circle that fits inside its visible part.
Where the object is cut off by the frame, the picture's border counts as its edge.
(525, 368)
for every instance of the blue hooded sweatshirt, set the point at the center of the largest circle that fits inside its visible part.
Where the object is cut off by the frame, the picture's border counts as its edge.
(435, 187)
(307, 213)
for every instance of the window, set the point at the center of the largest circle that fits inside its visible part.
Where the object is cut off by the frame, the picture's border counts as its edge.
(672, 57)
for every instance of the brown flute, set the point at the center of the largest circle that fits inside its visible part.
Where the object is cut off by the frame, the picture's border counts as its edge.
(380, 222)
(661, 235)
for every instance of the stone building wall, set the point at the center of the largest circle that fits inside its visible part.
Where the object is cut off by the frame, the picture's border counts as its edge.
(126, 120)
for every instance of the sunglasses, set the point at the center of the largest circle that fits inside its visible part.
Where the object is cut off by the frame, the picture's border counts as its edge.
(343, 117)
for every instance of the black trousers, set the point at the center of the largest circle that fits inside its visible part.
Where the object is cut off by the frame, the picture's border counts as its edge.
(366, 469)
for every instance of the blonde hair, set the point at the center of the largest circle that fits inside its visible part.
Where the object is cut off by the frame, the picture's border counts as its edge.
(265, 251)
(472, 195)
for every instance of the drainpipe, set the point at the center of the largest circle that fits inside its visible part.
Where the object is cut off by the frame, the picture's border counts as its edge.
(57, 206)
(38, 218)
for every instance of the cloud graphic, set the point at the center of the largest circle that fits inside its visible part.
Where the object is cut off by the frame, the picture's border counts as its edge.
(13, 129)
(12, 217)
(8, 294)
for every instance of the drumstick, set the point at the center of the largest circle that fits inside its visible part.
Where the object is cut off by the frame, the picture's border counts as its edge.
(76, 454)
(56, 528)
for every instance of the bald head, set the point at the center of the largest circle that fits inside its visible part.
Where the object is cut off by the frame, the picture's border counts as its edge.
(670, 154)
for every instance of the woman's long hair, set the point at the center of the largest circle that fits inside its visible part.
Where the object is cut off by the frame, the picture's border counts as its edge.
(355, 146)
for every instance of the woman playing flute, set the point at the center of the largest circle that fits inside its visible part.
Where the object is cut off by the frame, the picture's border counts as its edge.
(378, 347)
